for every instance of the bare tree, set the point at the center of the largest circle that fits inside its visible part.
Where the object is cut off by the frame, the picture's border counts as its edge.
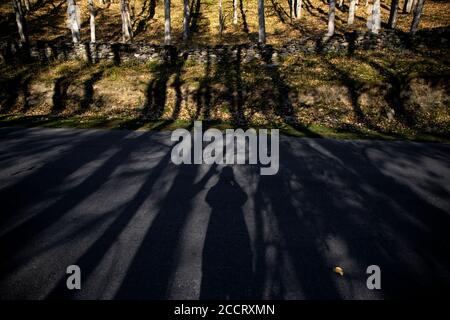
(235, 12)
(92, 19)
(221, 18)
(261, 23)
(21, 22)
(292, 9)
(299, 8)
(393, 14)
(186, 19)
(375, 17)
(417, 15)
(408, 5)
(167, 33)
(296, 9)
(331, 14)
(27, 5)
(73, 16)
(167, 36)
(127, 31)
(351, 12)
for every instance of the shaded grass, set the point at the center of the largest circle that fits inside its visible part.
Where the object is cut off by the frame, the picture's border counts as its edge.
(370, 94)
(310, 131)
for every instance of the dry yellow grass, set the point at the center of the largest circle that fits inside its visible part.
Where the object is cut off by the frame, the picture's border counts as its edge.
(47, 22)
(362, 90)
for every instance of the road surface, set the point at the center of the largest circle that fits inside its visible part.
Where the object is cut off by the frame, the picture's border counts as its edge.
(138, 226)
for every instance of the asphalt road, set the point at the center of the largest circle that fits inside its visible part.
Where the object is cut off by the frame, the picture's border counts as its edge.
(139, 226)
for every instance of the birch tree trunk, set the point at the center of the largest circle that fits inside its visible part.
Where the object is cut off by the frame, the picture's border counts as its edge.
(261, 23)
(167, 33)
(186, 19)
(376, 19)
(351, 12)
(73, 14)
(167, 36)
(235, 12)
(299, 9)
(417, 15)
(92, 19)
(292, 9)
(407, 6)
(331, 14)
(393, 14)
(127, 32)
(21, 22)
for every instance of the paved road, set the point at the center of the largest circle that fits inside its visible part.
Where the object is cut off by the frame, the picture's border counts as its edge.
(140, 227)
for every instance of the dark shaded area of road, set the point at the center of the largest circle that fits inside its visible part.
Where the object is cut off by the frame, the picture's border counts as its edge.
(141, 227)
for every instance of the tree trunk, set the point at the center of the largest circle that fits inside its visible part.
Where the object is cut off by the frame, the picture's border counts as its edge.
(127, 32)
(298, 13)
(27, 5)
(341, 2)
(292, 9)
(351, 12)
(73, 14)
(417, 15)
(407, 6)
(376, 19)
(393, 14)
(221, 20)
(186, 19)
(331, 14)
(21, 22)
(92, 19)
(132, 9)
(261, 23)
(235, 12)
(167, 36)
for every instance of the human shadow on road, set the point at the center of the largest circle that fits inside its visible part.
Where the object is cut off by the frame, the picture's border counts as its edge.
(227, 255)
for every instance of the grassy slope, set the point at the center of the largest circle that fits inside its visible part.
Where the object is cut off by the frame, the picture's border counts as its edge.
(368, 94)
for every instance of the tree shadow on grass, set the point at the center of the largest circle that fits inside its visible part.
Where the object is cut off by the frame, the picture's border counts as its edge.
(88, 98)
(284, 107)
(11, 91)
(147, 13)
(156, 93)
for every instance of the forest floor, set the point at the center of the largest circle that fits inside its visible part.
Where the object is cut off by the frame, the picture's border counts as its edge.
(47, 20)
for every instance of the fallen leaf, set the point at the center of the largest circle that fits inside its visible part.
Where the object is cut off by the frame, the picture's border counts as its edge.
(339, 270)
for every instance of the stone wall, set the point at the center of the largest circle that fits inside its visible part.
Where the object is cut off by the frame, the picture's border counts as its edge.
(117, 52)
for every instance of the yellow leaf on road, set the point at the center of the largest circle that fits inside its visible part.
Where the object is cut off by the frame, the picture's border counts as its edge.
(339, 270)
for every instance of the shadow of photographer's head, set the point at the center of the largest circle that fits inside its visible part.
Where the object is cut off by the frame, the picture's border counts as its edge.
(227, 174)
